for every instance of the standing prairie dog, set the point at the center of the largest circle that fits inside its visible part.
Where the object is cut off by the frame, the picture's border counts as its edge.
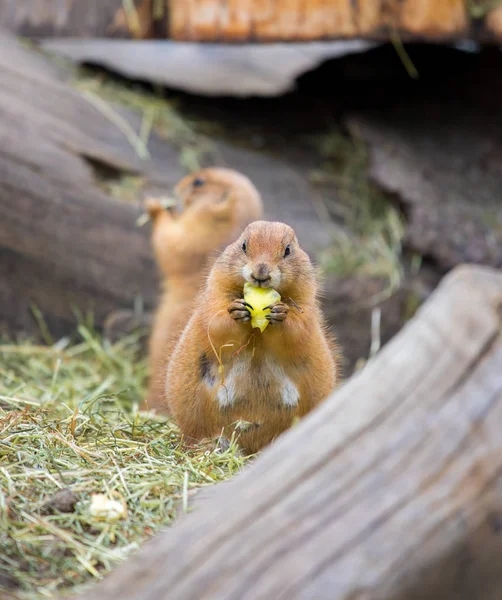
(216, 205)
(223, 371)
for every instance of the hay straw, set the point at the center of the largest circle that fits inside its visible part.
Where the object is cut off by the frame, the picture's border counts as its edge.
(376, 317)
(157, 113)
(120, 123)
(69, 419)
(368, 239)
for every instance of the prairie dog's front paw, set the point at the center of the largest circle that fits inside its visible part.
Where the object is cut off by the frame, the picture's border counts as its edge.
(153, 207)
(239, 311)
(278, 313)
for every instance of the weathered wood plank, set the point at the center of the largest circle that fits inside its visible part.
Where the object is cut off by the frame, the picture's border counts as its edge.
(295, 20)
(251, 20)
(391, 489)
(64, 244)
(72, 17)
(207, 69)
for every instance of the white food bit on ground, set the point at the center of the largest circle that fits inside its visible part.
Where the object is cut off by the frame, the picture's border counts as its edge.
(106, 509)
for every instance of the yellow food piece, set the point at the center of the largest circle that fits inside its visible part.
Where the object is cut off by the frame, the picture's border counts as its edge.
(107, 509)
(258, 298)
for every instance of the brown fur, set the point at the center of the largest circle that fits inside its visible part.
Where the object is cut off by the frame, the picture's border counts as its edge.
(256, 367)
(213, 214)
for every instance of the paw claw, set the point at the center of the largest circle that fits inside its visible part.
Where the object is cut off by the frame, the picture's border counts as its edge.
(239, 311)
(278, 313)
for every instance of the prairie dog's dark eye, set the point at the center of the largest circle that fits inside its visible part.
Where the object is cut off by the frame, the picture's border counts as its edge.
(287, 251)
(244, 247)
(198, 182)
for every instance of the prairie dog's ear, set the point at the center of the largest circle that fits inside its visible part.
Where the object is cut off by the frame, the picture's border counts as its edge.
(227, 198)
(225, 203)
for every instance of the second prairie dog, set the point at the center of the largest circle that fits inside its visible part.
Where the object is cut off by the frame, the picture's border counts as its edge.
(222, 371)
(216, 205)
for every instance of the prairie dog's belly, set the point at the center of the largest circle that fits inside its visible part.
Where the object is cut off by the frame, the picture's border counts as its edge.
(252, 385)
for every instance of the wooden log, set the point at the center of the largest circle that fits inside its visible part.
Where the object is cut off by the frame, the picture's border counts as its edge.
(92, 18)
(97, 18)
(253, 20)
(392, 489)
(295, 20)
(449, 189)
(65, 246)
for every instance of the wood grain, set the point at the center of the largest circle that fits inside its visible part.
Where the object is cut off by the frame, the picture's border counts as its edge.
(295, 20)
(392, 489)
(70, 17)
(65, 246)
(252, 20)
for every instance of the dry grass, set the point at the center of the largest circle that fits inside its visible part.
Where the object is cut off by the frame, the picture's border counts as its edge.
(69, 419)
(369, 240)
(157, 113)
(127, 188)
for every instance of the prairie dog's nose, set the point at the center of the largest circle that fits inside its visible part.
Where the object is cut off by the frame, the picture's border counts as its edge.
(261, 273)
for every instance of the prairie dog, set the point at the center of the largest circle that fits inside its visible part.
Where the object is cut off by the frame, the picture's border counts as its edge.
(216, 205)
(223, 371)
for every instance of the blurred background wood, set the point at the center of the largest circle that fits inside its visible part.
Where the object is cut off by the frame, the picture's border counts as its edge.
(290, 20)
(391, 489)
(254, 20)
(42, 18)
